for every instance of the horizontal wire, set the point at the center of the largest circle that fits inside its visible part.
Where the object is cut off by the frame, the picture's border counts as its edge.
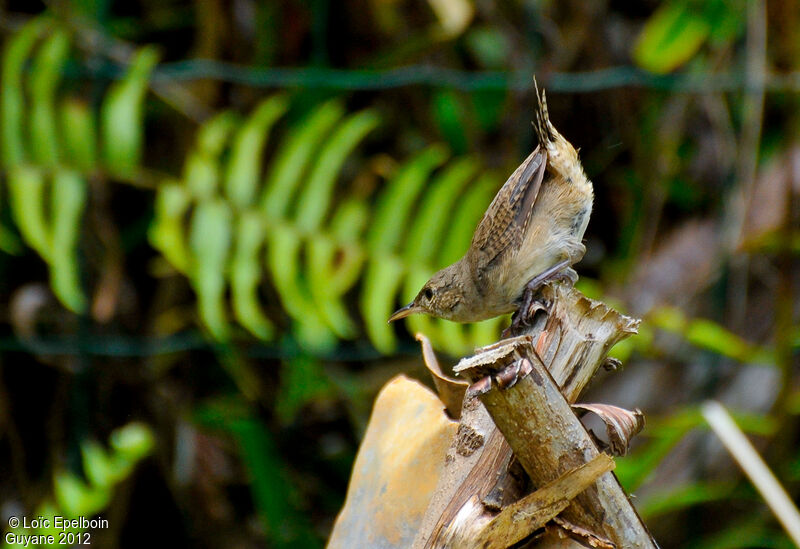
(438, 77)
(140, 347)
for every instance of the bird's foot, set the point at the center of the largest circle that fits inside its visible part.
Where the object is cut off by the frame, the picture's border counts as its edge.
(523, 317)
(531, 304)
(568, 276)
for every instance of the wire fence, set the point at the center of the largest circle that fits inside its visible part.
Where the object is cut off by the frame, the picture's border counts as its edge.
(122, 347)
(439, 77)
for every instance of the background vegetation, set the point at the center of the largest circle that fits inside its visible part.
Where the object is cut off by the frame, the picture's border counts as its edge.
(210, 208)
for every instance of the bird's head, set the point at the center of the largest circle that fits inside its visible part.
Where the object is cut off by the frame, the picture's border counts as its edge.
(441, 296)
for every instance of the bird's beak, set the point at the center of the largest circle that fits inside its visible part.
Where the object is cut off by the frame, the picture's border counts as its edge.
(409, 309)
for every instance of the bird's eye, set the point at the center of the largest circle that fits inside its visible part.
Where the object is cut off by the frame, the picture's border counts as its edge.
(428, 294)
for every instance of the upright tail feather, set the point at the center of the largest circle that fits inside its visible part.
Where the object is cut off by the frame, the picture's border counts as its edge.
(541, 121)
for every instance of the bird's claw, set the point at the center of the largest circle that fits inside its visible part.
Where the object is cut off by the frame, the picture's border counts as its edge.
(530, 305)
(524, 316)
(568, 276)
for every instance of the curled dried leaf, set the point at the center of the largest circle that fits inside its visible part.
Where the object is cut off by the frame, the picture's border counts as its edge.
(584, 535)
(621, 424)
(451, 391)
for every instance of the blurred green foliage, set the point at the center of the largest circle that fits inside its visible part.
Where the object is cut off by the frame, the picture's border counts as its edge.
(679, 28)
(289, 224)
(229, 222)
(75, 498)
(50, 143)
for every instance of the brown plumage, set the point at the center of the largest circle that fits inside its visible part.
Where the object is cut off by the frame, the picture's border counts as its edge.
(530, 233)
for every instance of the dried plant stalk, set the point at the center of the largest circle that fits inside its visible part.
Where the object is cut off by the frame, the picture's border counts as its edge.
(576, 335)
(476, 456)
(572, 339)
(549, 440)
(515, 522)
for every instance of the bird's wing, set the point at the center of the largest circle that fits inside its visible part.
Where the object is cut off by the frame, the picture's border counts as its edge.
(504, 224)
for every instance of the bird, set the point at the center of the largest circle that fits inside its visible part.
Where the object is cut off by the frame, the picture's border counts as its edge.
(531, 234)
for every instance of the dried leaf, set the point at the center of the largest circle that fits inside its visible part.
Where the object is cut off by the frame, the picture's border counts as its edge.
(584, 535)
(451, 391)
(621, 424)
(398, 467)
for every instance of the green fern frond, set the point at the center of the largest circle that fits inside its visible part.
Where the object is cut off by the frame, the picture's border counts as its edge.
(244, 167)
(122, 130)
(79, 128)
(386, 270)
(269, 235)
(15, 55)
(50, 147)
(233, 221)
(210, 235)
(44, 79)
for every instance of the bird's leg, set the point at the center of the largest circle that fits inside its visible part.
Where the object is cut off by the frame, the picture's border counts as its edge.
(557, 271)
(548, 275)
(522, 317)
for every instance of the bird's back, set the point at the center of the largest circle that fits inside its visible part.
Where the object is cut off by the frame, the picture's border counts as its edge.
(537, 218)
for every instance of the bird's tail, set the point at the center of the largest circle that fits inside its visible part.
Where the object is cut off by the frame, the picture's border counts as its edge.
(541, 121)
